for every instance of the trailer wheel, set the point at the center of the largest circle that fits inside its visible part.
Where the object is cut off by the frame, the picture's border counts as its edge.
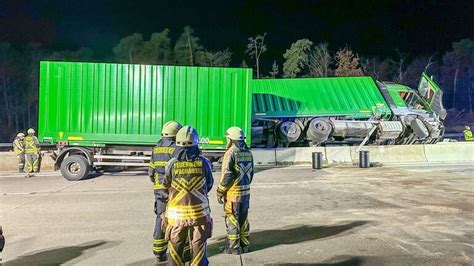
(319, 130)
(289, 131)
(75, 167)
(420, 130)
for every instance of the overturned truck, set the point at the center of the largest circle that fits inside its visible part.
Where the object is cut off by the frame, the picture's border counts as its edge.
(321, 111)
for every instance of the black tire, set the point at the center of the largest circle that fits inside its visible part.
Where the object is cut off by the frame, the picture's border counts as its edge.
(319, 130)
(419, 128)
(289, 131)
(75, 167)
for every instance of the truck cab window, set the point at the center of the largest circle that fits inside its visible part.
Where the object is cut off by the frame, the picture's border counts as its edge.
(412, 100)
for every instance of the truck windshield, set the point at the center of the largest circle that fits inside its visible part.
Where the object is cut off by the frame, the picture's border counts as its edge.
(412, 100)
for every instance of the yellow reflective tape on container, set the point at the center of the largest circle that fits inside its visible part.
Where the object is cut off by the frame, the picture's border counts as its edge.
(365, 111)
(74, 138)
(216, 142)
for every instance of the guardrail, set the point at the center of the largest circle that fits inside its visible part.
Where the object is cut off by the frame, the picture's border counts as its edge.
(9, 146)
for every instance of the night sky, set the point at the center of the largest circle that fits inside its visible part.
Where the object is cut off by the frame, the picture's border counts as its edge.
(368, 27)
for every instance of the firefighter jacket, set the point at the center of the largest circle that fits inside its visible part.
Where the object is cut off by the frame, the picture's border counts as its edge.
(161, 154)
(31, 145)
(188, 176)
(18, 146)
(237, 173)
(468, 135)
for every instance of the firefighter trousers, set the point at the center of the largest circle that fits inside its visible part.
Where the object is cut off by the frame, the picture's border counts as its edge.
(21, 162)
(32, 162)
(178, 240)
(160, 245)
(238, 229)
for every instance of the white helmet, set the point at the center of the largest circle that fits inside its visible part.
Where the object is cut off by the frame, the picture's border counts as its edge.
(187, 137)
(235, 133)
(20, 135)
(170, 129)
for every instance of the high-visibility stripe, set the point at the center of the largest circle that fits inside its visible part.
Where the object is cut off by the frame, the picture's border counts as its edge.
(216, 142)
(245, 240)
(159, 249)
(175, 257)
(159, 241)
(157, 186)
(233, 237)
(74, 138)
(233, 220)
(158, 163)
(197, 259)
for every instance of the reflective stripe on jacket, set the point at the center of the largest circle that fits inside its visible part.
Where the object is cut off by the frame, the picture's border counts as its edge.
(161, 154)
(18, 146)
(31, 145)
(237, 173)
(188, 182)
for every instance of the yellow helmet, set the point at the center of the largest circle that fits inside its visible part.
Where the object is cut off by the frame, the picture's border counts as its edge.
(31, 131)
(20, 135)
(170, 129)
(187, 137)
(235, 133)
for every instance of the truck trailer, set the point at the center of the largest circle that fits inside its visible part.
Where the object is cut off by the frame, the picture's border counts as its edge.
(315, 111)
(102, 115)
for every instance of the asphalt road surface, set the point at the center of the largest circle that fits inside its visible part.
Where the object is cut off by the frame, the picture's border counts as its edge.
(393, 215)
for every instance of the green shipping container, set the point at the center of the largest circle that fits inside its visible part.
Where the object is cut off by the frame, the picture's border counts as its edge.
(356, 97)
(94, 104)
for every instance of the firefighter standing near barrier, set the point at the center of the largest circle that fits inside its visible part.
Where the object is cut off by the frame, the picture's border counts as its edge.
(188, 177)
(161, 154)
(19, 149)
(32, 153)
(468, 134)
(234, 190)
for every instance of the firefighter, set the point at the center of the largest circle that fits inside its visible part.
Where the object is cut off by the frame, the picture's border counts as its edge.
(161, 154)
(188, 177)
(234, 190)
(468, 134)
(19, 149)
(32, 152)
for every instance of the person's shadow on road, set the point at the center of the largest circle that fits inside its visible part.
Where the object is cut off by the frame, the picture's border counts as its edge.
(55, 256)
(288, 235)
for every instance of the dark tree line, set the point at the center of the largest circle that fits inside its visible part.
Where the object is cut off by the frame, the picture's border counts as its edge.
(19, 67)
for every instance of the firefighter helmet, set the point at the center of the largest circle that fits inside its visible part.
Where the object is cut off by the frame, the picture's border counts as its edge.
(31, 131)
(20, 135)
(170, 129)
(235, 133)
(187, 137)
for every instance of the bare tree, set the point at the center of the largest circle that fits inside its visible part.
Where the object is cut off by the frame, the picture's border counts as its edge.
(255, 48)
(319, 61)
(402, 57)
(219, 58)
(347, 63)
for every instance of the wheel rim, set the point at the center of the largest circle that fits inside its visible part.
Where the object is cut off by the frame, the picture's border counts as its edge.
(74, 168)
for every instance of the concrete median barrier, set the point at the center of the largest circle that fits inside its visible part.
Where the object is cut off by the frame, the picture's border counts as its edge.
(264, 157)
(338, 155)
(297, 155)
(392, 154)
(450, 152)
(9, 162)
